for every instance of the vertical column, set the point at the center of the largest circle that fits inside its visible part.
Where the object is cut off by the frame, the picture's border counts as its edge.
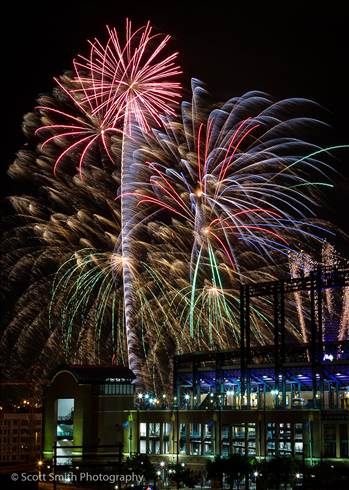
(308, 442)
(261, 437)
(176, 435)
(320, 339)
(202, 439)
(319, 314)
(187, 438)
(196, 384)
(217, 436)
(230, 439)
(245, 348)
(137, 434)
(176, 390)
(279, 340)
(313, 338)
(246, 438)
(147, 438)
(219, 382)
(338, 442)
(162, 437)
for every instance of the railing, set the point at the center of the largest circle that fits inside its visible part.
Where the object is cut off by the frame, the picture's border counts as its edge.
(65, 433)
(92, 458)
(65, 418)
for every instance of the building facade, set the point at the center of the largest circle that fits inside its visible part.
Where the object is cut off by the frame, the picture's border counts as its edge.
(293, 412)
(288, 398)
(84, 408)
(20, 437)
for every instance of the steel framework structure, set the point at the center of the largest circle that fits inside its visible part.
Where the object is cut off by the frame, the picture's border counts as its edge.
(314, 283)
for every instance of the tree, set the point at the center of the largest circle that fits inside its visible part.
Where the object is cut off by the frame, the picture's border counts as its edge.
(182, 476)
(326, 475)
(236, 468)
(215, 471)
(140, 464)
(279, 471)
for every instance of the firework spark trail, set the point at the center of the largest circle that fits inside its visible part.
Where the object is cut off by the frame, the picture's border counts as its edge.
(113, 82)
(119, 88)
(344, 318)
(135, 78)
(218, 197)
(336, 317)
(328, 259)
(296, 270)
(335, 313)
(236, 180)
(83, 130)
(50, 222)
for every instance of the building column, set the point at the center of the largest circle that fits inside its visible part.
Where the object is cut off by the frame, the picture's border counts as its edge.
(338, 442)
(260, 436)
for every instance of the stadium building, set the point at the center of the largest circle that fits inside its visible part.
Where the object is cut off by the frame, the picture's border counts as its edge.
(288, 398)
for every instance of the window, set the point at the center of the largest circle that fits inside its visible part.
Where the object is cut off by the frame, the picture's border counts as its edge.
(182, 438)
(154, 446)
(166, 431)
(225, 440)
(298, 439)
(238, 439)
(251, 439)
(154, 429)
(64, 454)
(65, 415)
(65, 409)
(271, 439)
(154, 438)
(143, 446)
(143, 437)
(208, 433)
(195, 439)
(285, 439)
(115, 389)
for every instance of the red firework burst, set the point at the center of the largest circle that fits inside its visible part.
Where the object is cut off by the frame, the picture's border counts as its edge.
(79, 130)
(120, 81)
(115, 85)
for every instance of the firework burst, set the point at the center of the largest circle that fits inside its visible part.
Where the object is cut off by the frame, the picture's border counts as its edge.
(240, 179)
(220, 196)
(118, 87)
(128, 81)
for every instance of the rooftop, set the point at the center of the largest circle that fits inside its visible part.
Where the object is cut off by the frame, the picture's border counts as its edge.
(98, 374)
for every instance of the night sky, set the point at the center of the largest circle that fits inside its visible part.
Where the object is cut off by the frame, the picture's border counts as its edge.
(283, 50)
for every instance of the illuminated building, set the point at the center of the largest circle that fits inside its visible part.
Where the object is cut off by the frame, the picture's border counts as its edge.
(84, 407)
(20, 436)
(289, 398)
